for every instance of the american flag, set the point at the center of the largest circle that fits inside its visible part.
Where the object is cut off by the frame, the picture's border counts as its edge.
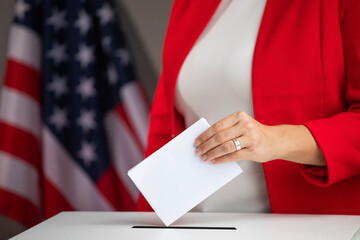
(73, 117)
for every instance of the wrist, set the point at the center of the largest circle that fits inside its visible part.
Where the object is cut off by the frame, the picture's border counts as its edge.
(279, 139)
(295, 143)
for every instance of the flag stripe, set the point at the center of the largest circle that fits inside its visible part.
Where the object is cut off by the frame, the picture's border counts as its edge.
(24, 46)
(54, 201)
(78, 188)
(19, 110)
(120, 112)
(106, 184)
(23, 78)
(120, 199)
(125, 153)
(12, 138)
(15, 207)
(24, 183)
(138, 115)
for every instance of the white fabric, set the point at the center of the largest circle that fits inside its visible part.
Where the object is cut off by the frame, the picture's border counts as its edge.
(136, 109)
(126, 153)
(20, 38)
(214, 82)
(20, 110)
(24, 183)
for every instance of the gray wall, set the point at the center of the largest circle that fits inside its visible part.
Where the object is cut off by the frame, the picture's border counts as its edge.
(6, 13)
(7, 227)
(145, 25)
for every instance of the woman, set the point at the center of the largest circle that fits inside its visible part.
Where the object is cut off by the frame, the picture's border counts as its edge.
(294, 66)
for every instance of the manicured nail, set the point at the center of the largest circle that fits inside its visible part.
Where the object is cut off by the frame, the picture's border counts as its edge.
(203, 157)
(213, 161)
(198, 152)
(197, 142)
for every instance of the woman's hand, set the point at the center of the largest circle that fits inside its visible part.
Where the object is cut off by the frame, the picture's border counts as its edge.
(216, 145)
(259, 142)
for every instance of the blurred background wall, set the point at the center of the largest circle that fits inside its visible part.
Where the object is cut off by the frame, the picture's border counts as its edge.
(6, 14)
(144, 23)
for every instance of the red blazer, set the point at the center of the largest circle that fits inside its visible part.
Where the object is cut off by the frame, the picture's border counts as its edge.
(306, 70)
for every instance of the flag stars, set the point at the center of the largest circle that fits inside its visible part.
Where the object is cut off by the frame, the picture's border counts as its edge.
(112, 75)
(85, 55)
(83, 22)
(105, 14)
(20, 9)
(87, 120)
(58, 86)
(86, 88)
(124, 56)
(59, 119)
(57, 19)
(106, 41)
(87, 153)
(57, 53)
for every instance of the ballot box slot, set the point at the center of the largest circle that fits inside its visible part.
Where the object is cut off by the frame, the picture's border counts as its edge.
(185, 227)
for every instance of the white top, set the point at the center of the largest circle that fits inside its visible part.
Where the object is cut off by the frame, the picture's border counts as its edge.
(118, 225)
(214, 82)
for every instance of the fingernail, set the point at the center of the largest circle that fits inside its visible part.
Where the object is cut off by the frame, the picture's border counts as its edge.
(197, 142)
(213, 161)
(203, 157)
(198, 152)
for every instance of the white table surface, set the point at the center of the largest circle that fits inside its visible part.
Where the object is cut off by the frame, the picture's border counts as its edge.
(117, 225)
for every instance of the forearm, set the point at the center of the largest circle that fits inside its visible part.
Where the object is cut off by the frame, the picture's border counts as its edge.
(260, 143)
(295, 143)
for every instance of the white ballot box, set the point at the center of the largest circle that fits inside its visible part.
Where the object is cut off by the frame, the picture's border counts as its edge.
(193, 225)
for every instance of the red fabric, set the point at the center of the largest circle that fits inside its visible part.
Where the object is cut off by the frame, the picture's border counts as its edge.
(121, 112)
(54, 201)
(306, 70)
(14, 206)
(30, 150)
(14, 78)
(120, 199)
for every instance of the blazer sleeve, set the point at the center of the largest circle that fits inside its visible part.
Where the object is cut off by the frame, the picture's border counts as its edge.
(339, 136)
(159, 130)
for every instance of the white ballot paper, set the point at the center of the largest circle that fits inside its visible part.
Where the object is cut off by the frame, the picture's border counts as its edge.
(174, 179)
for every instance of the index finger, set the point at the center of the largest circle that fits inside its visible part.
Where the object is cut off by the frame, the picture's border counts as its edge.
(219, 126)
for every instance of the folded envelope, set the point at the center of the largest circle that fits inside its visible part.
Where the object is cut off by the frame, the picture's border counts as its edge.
(174, 179)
